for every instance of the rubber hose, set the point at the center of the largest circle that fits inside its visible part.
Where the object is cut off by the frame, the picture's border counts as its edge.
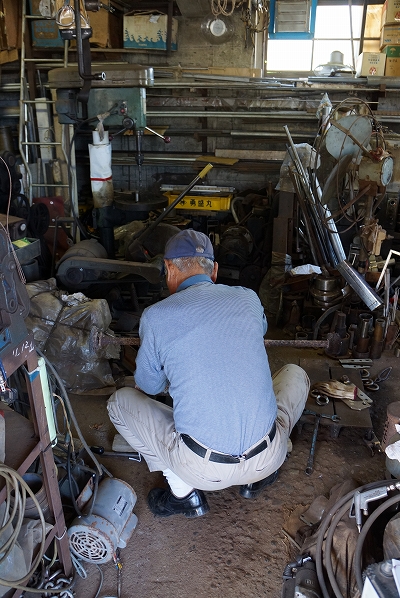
(16, 483)
(360, 542)
(325, 524)
(328, 548)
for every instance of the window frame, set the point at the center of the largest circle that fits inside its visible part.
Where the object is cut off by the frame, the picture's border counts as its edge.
(297, 36)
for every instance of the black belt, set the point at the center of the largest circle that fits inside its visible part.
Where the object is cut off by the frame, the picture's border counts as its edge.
(224, 458)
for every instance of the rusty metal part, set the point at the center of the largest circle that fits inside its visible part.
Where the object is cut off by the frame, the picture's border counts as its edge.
(376, 348)
(100, 340)
(365, 374)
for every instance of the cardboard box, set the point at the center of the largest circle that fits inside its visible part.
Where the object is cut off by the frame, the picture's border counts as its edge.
(392, 68)
(45, 32)
(10, 24)
(106, 28)
(370, 64)
(390, 12)
(390, 35)
(148, 31)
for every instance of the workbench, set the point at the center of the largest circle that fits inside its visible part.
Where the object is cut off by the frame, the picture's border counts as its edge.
(323, 369)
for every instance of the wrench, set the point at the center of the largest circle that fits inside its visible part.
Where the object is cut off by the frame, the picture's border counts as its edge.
(334, 418)
(310, 462)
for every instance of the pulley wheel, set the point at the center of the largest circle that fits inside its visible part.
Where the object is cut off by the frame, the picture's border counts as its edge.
(39, 219)
(127, 202)
(20, 207)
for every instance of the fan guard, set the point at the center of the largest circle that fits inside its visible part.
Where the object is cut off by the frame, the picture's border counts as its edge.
(91, 545)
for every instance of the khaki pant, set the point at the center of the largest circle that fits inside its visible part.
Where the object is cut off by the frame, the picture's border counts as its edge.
(148, 426)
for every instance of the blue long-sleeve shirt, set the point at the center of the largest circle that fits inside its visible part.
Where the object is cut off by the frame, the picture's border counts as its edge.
(206, 342)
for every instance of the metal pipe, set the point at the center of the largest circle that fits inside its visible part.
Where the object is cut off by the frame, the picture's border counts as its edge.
(379, 330)
(358, 284)
(364, 325)
(293, 115)
(304, 179)
(334, 235)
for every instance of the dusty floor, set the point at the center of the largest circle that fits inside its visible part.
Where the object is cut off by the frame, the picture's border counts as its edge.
(238, 549)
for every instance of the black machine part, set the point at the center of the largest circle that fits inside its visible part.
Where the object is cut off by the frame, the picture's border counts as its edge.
(300, 579)
(14, 300)
(86, 263)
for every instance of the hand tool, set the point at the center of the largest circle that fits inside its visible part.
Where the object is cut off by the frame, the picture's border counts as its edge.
(361, 500)
(99, 450)
(334, 418)
(310, 462)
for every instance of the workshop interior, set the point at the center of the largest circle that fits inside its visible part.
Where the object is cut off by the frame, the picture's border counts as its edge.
(273, 127)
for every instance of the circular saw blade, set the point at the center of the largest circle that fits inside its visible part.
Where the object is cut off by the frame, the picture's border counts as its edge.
(338, 143)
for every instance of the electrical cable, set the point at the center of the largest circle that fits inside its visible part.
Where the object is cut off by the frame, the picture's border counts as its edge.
(100, 468)
(95, 489)
(101, 581)
(16, 485)
(364, 531)
(12, 248)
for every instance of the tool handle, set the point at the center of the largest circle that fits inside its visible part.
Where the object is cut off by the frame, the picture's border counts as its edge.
(205, 170)
(98, 450)
(310, 462)
(141, 234)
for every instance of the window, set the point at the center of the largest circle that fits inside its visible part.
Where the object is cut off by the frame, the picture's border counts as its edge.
(334, 31)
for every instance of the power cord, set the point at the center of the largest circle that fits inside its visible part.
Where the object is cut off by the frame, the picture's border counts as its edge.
(17, 489)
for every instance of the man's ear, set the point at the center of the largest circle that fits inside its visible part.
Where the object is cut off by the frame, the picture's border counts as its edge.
(214, 272)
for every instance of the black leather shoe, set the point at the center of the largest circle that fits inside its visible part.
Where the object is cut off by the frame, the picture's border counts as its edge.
(163, 503)
(253, 490)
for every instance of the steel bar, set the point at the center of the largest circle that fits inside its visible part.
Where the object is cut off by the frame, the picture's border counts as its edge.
(314, 248)
(100, 340)
(318, 234)
(305, 182)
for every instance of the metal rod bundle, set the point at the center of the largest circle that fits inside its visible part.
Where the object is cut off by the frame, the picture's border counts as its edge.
(333, 248)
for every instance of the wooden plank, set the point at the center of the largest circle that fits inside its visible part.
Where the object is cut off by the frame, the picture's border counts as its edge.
(251, 154)
(213, 160)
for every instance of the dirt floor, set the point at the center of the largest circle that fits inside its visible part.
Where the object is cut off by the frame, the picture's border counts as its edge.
(239, 549)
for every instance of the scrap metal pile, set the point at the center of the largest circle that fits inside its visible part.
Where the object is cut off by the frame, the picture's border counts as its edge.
(340, 184)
